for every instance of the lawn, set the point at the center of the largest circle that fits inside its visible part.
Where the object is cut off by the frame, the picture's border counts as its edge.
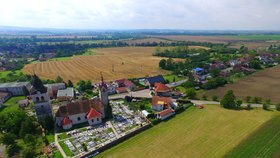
(171, 78)
(65, 149)
(211, 132)
(11, 103)
(265, 142)
(9, 76)
(57, 154)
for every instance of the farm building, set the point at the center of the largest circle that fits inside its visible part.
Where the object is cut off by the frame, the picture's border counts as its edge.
(23, 103)
(81, 111)
(15, 88)
(125, 83)
(150, 81)
(53, 88)
(4, 96)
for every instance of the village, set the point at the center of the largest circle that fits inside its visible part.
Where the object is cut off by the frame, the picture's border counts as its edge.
(86, 126)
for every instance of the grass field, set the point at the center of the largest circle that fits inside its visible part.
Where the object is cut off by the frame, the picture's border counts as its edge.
(264, 84)
(12, 103)
(170, 78)
(256, 37)
(127, 62)
(265, 142)
(211, 132)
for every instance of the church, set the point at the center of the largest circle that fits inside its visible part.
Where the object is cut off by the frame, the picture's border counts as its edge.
(81, 111)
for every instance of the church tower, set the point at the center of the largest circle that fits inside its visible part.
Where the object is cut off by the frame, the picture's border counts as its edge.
(40, 98)
(103, 92)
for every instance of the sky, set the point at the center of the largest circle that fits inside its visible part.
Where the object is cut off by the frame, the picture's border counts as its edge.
(142, 14)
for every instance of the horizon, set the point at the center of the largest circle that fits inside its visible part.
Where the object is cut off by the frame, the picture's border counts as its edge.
(135, 15)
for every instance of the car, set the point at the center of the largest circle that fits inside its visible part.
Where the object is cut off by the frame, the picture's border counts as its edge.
(200, 106)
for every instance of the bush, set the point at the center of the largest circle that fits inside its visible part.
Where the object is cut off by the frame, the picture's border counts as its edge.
(278, 107)
(215, 98)
(204, 97)
(179, 109)
(155, 121)
(265, 106)
(249, 106)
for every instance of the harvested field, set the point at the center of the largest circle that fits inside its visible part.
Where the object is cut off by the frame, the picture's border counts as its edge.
(145, 40)
(211, 132)
(213, 39)
(127, 62)
(264, 84)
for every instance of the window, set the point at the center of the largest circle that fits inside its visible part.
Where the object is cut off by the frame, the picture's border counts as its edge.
(78, 118)
(97, 119)
(92, 120)
(42, 98)
(37, 99)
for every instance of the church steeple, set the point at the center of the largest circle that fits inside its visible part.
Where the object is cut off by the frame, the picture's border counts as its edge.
(103, 91)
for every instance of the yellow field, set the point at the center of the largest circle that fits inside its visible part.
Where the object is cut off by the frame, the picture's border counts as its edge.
(127, 62)
(210, 132)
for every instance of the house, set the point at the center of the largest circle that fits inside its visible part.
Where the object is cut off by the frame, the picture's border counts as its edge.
(111, 89)
(161, 103)
(162, 90)
(15, 88)
(198, 71)
(4, 96)
(240, 68)
(232, 63)
(65, 94)
(81, 111)
(165, 114)
(144, 113)
(125, 83)
(23, 103)
(53, 88)
(217, 65)
(121, 90)
(150, 81)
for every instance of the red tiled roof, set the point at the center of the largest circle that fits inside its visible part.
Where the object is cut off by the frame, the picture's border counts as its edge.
(156, 99)
(165, 112)
(159, 87)
(121, 89)
(93, 113)
(124, 83)
(66, 121)
(81, 106)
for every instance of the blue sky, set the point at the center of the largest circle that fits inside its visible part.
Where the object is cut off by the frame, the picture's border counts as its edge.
(142, 14)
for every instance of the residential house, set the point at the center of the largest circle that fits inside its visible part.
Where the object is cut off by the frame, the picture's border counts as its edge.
(15, 88)
(81, 111)
(165, 114)
(66, 94)
(124, 83)
(232, 63)
(150, 81)
(198, 71)
(161, 103)
(162, 90)
(4, 96)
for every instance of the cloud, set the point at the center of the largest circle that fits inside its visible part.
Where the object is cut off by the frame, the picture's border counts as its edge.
(138, 14)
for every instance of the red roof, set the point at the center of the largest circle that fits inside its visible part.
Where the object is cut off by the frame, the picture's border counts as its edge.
(159, 87)
(121, 89)
(166, 100)
(93, 113)
(66, 121)
(124, 83)
(165, 112)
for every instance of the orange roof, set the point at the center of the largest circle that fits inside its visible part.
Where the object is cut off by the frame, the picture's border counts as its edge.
(93, 113)
(66, 121)
(165, 112)
(156, 100)
(159, 87)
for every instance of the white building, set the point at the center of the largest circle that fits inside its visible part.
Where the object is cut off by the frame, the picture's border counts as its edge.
(165, 114)
(65, 94)
(82, 111)
(15, 88)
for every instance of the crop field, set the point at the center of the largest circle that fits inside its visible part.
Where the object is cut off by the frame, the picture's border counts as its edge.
(145, 40)
(211, 132)
(264, 84)
(256, 37)
(114, 63)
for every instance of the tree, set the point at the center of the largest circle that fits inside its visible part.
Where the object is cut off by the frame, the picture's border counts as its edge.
(70, 83)
(191, 93)
(265, 106)
(215, 73)
(248, 99)
(268, 101)
(8, 139)
(239, 103)
(229, 100)
(204, 97)
(188, 84)
(278, 107)
(59, 79)
(215, 98)
(162, 63)
(248, 106)
(255, 64)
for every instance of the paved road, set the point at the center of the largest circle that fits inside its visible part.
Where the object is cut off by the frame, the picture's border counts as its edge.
(218, 103)
(178, 83)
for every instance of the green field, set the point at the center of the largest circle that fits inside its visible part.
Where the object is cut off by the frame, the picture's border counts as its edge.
(210, 132)
(12, 103)
(256, 37)
(265, 142)
(89, 52)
